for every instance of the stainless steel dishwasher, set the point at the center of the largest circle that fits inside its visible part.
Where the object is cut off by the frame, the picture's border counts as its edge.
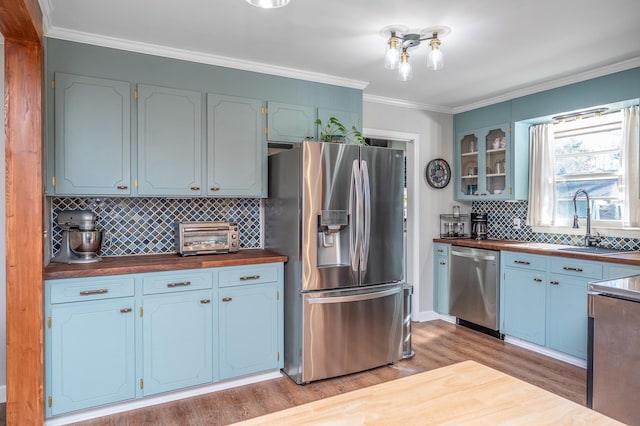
(474, 295)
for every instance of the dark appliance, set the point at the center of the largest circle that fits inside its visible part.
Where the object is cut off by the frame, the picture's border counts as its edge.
(613, 359)
(479, 226)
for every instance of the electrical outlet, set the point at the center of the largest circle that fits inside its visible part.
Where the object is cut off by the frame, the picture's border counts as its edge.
(516, 223)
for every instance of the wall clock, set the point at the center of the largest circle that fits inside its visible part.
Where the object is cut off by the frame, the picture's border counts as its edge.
(438, 173)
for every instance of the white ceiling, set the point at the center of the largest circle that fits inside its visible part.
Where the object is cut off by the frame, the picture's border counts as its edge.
(497, 49)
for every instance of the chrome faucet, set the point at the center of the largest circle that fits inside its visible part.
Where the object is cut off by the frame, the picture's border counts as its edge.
(589, 240)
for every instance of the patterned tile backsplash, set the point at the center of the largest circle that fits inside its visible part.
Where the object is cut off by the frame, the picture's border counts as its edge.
(500, 227)
(146, 225)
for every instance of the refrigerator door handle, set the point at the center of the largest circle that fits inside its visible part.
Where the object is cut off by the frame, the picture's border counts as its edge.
(366, 232)
(353, 298)
(354, 226)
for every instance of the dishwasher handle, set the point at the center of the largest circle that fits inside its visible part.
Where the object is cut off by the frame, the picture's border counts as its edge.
(475, 256)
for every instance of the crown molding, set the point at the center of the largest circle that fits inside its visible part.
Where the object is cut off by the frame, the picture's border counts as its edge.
(406, 104)
(553, 84)
(204, 58)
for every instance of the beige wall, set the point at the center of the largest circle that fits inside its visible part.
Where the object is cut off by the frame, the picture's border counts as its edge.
(435, 134)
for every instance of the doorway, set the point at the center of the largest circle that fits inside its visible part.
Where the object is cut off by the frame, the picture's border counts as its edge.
(408, 143)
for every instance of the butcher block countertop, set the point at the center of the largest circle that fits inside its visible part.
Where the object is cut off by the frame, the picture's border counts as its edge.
(629, 258)
(466, 393)
(116, 265)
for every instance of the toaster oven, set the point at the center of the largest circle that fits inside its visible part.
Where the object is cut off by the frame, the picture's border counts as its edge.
(206, 237)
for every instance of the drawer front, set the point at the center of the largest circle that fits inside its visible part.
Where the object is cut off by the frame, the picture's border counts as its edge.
(168, 282)
(82, 289)
(523, 260)
(246, 275)
(441, 249)
(577, 268)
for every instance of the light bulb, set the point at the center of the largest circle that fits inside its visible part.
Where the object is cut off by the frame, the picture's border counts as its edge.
(268, 4)
(435, 60)
(404, 70)
(392, 56)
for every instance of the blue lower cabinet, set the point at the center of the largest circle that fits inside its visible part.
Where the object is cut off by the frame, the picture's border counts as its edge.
(249, 335)
(441, 278)
(91, 354)
(567, 315)
(523, 304)
(112, 339)
(177, 341)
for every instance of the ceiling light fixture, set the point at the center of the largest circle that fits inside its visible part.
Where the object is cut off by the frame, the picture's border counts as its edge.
(399, 40)
(268, 4)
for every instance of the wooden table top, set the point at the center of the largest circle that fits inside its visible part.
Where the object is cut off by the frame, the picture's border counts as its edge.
(464, 393)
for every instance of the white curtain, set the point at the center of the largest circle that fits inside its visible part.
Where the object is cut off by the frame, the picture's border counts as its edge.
(630, 158)
(541, 176)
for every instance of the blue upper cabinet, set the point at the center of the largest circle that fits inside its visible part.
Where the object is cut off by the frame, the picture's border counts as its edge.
(236, 156)
(290, 123)
(92, 145)
(489, 162)
(169, 142)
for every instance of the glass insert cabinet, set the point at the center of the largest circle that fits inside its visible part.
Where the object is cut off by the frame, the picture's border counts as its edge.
(483, 166)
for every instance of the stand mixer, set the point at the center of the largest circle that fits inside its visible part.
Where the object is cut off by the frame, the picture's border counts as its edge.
(81, 241)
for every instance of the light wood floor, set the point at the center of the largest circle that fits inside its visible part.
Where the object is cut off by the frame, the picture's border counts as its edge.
(436, 343)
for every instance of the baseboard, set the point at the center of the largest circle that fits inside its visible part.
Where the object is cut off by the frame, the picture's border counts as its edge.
(3, 394)
(159, 399)
(569, 359)
(425, 316)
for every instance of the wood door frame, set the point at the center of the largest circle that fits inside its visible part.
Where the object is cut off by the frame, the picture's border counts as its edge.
(21, 26)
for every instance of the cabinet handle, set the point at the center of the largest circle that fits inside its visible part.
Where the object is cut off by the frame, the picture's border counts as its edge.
(443, 263)
(205, 301)
(522, 262)
(215, 188)
(250, 277)
(195, 188)
(122, 187)
(569, 268)
(227, 299)
(92, 292)
(440, 251)
(538, 280)
(554, 282)
(125, 310)
(309, 138)
(180, 284)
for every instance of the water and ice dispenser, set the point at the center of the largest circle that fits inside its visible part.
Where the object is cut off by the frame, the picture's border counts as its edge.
(333, 238)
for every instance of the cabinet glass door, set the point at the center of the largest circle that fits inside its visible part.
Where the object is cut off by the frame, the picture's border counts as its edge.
(468, 165)
(495, 162)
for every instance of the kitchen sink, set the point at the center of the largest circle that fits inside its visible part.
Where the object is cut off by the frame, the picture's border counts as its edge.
(594, 250)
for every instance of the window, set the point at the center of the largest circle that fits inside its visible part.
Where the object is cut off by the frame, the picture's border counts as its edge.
(588, 156)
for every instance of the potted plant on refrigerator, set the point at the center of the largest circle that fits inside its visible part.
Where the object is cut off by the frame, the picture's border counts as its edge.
(335, 131)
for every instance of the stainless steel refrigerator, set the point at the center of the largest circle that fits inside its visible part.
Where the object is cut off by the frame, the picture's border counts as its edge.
(336, 211)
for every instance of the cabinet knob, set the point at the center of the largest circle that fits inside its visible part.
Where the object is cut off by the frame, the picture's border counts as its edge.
(195, 188)
(215, 188)
(227, 299)
(554, 282)
(122, 187)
